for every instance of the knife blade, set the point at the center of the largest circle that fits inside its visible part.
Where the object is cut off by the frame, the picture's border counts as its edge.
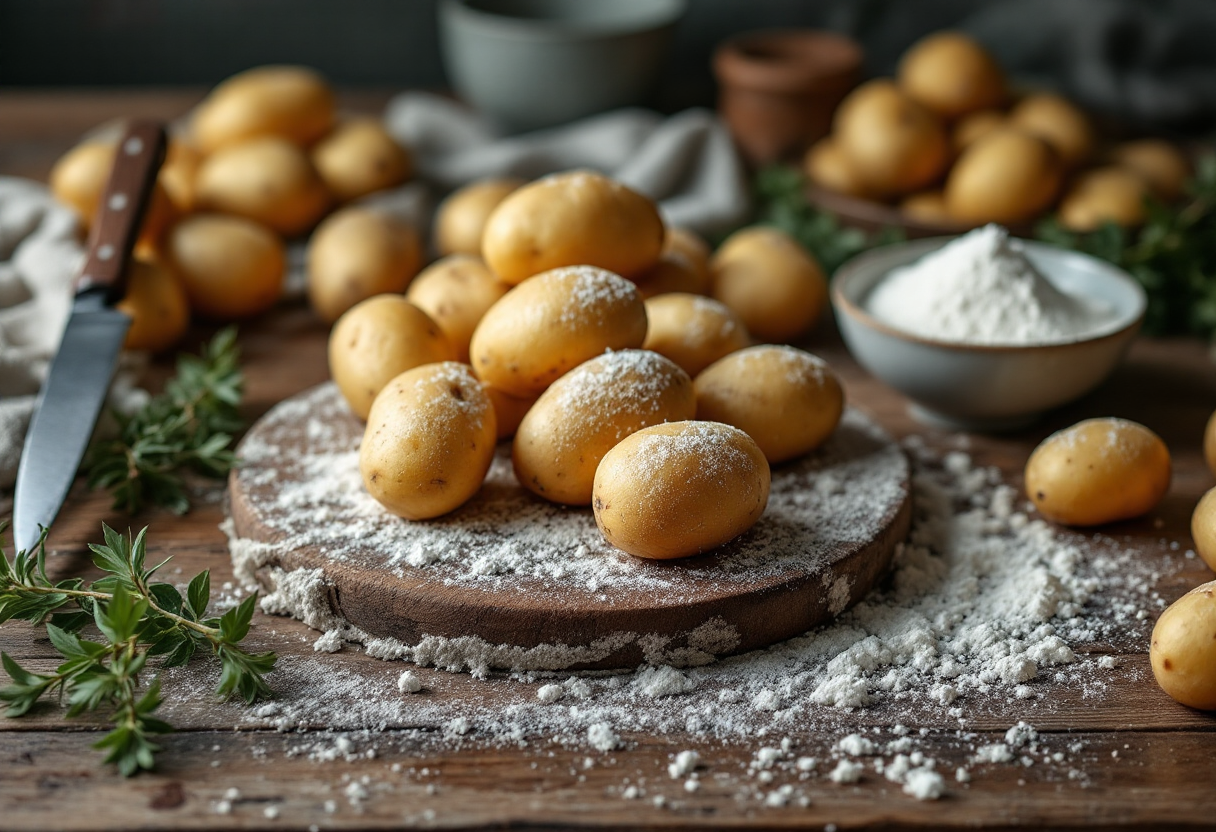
(79, 376)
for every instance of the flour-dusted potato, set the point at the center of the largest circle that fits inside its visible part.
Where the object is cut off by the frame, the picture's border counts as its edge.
(230, 267)
(429, 441)
(157, 304)
(571, 219)
(1183, 651)
(357, 253)
(692, 331)
(377, 340)
(679, 489)
(771, 281)
(461, 218)
(456, 292)
(786, 399)
(288, 101)
(360, 158)
(1098, 471)
(509, 410)
(1203, 528)
(269, 180)
(683, 266)
(552, 323)
(590, 409)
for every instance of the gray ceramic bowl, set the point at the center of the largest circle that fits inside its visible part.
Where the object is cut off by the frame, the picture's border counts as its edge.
(537, 63)
(983, 387)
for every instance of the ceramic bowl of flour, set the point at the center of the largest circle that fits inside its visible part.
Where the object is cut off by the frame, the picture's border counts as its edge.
(948, 371)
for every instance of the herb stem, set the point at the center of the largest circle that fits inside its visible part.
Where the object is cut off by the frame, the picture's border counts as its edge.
(212, 634)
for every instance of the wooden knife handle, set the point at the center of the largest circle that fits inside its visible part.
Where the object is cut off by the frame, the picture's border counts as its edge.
(121, 209)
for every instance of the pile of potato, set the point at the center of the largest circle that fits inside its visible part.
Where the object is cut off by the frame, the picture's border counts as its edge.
(948, 142)
(264, 158)
(566, 317)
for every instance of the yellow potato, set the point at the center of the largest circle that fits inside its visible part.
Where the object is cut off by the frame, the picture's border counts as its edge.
(927, 206)
(829, 167)
(1203, 528)
(179, 172)
(461, 217)
(456, 292)
(692, 331)
(1098, 471)
(1160, 164)
(357, 253)
(1008, 176)
(429, 441)
(975, 126)
(157, 304)
(683, 266)
(509, 410)
(893, 144)
(269, 180)
(377, 340)
(1059, 122)
(788, 400)
(359, 158)
(1209, 443)
(552, 323)
(952, 75)
(288, 101)
(230, 267)
(587, 411)
(1183, 651)
(1103, 195)
(679, 489)
(572, 219)
(771, 282)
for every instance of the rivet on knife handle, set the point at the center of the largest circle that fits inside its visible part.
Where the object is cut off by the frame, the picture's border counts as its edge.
(123, 205)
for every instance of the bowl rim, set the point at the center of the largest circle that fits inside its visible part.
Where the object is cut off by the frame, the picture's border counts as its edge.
(533, 28)
(843, 303)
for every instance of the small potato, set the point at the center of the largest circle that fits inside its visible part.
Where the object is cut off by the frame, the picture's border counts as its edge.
(157, 304)
(893, 144)
(461, 217)
(456, 292)
(829, 167)
(230, 267)
(1007, 176)
(927, 206)
(179, 173)
(772, 282)
(551, 324)
(572, 219)
(377, 340)
(680, 489)
(357, 253)
(974, 126)
(1209, 443)
(429, 441)
(1098, 471)
(952, 75)
(692, 331)
(1160, 164)
(1103, 195)
(359, 158)
(788, 400)
(1059, 122)
(587, 411)
(683, 266)
(269, 180)
(1203, 528)
(292, 102)
(510, 410)
(1183, 651)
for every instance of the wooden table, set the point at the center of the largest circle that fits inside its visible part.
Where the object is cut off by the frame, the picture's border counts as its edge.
(1150, 762)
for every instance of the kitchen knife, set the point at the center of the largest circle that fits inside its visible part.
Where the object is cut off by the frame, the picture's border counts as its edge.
(80, 374)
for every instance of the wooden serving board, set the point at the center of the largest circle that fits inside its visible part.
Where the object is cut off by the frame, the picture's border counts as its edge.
(536, 580)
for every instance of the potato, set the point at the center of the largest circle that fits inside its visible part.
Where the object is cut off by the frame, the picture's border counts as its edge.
(359, 158)
(1183, 651)
(679, 489)
(788, 400)
(179, 173)
(1059, 122)
(1098, 471)
(269, 180)
(572, 219)
(893, 144)
(1008, 176)
(952, 75)
(1104, 195)
(462, 216)
(377, 340)
(509, 410)
(1203, 528)
(1160, 164)
(230, 267)
(551, 324)
(975, 126)
(771, 282)
(1209, 443)
(292, 102)
(683, 266)
(429, 441)
(356, 253)
(927, 206)
(157, 304)
(456, 292)
(692, 331)
(589, 410)
(829, 167)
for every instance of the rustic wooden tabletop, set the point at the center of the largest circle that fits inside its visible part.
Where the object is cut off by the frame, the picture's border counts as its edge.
(1147, 762)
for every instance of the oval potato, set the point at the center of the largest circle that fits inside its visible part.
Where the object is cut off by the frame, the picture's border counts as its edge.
(1203, 528)
(509, 410)
(461, 218)
(692, 331)
(683, 266)
(829, 167)
(952, 75)
(1103, 195)
(893, 143)
(1159, 163)
(771, 281)
(230, 267)
(360, 158)
(1098, 471)
(1183, 650)
(679, 489)
(288, 101)
(429, 441)
(1058, 121)
(1007, 176)
(456, 292)
(590, 409)
(357, 253)
(157, 304)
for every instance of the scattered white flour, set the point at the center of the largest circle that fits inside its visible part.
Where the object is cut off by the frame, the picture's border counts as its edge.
(846, 771)
(408, 682)
(924, 784)
(982, 288)
(601, 737)
(685, 763)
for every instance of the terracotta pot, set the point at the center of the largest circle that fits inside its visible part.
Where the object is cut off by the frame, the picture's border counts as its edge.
(778, 89)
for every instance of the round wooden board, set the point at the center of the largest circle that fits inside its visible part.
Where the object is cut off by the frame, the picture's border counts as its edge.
(511, 569)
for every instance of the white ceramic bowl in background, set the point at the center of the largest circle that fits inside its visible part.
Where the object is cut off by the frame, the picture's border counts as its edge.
(987, 387)
(538, 63)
